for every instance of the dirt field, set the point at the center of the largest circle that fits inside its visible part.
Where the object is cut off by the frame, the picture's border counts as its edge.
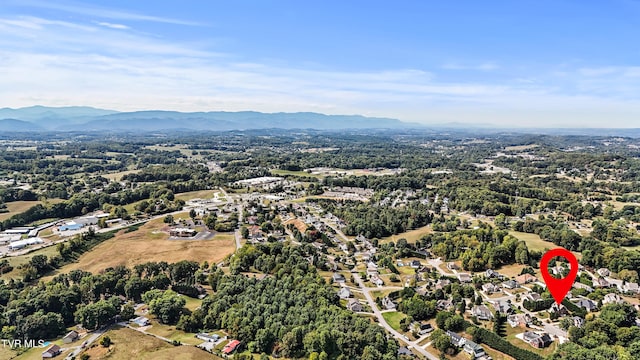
(150, 244)
(131, 344)
(301, 226)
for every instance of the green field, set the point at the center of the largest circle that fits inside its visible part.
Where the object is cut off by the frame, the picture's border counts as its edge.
(393, 319)
(16, 207)
(294, 173)
(533, 241)
(411, 235)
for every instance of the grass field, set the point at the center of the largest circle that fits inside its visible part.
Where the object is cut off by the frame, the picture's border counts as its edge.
(533, 241)
(130, 344)
(393, 319)
(16, 261)
(170, 332)
(411, 235)
(150, 244)
(295, 173)
(201, 194)
(16, 207)
(116, 176)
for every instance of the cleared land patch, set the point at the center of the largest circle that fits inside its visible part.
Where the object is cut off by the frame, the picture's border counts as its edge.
(131, 344)
(150, 244)
(16, 207)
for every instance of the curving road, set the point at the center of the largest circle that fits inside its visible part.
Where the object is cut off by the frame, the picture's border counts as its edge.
(382, 322)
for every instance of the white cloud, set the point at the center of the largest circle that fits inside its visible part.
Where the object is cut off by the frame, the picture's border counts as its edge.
(113, 26)
(103, 13)
(53, 62)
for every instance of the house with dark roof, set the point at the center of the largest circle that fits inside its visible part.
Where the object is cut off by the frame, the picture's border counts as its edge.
(456, 339)
(587, 304)
(510, 284)
(52, 351)
(388, 304)
(516, 320)
(338, 278)
(538, 341)
(354, 305)
(70, 337)
(473, 349)
(403, 350)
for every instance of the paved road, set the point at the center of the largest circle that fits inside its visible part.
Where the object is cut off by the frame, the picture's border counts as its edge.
(95, 335)
(382, 322)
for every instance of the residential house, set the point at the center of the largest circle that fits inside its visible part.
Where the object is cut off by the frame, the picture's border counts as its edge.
(631, 288)
(444, 305)
(615, 282)
(141, 321)
(415, 264)
(354, 305)
(375, 279)
(338, 278)
(473, 349)
(344, 293)
(70, 337)
(578, 321)
(208, 338)
(579, 285)
(561, 310)
(510, 284)
(452, 266)
(516, 320)
(372, 265)
(587, 304)
(503, 307)
(538, 341)
(525, 279)
(403, 350)
(558, 270)
(532, 296)
(601, 283)
(423, 328)
(464, 278)
(388, 304)
(456, 339)
(231, 347)
(366, 256)
(492, 274)
(490, 288)
(52, 351)
(604, 272)
(482, 312)
(612, 299)
(441, 283)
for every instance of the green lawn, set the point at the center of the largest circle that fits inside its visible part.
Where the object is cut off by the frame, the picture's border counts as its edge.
(295, 173)
(533, 241)
(393, 319)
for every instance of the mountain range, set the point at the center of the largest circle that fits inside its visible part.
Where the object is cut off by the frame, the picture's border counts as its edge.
(78, 118)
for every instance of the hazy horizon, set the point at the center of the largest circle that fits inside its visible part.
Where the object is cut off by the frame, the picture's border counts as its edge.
(505, 64)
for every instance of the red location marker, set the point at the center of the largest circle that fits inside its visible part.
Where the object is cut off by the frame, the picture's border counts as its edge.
(559, 287)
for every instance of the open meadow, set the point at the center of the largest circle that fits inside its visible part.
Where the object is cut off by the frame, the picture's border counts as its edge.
(149, 243)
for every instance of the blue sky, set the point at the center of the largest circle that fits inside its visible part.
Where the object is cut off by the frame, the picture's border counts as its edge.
(518, 63)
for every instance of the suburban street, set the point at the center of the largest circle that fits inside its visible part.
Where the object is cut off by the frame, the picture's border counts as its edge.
(382, 322)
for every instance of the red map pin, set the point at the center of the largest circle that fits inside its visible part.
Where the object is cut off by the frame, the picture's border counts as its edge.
(559, 287)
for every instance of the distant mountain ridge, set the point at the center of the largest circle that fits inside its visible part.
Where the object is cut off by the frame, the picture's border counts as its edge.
(79, 118)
